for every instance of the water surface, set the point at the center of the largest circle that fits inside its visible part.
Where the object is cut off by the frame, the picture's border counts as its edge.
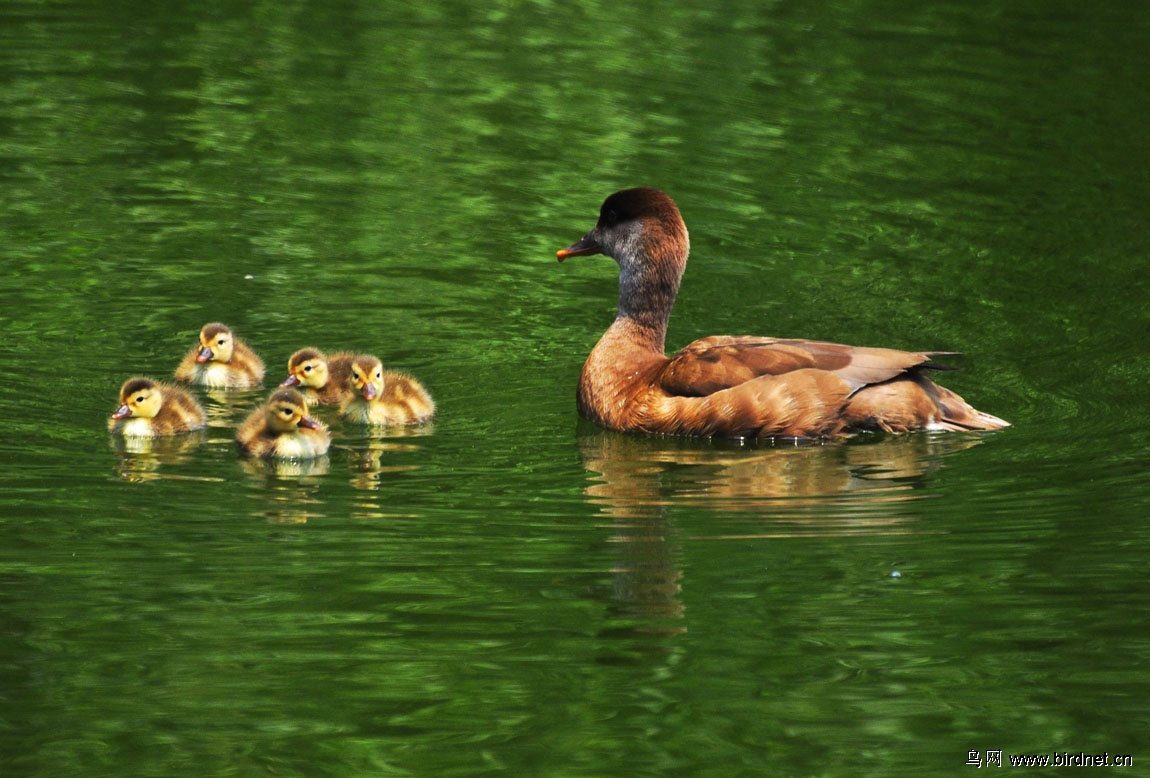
(511, 590)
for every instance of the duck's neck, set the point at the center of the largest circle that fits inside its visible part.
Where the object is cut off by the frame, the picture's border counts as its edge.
(647, 289)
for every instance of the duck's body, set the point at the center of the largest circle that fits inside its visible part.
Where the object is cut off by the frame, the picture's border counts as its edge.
(322, 379)
(151, 409)
(281, 429)
(221, 361)
(741, 387)
(381, 397)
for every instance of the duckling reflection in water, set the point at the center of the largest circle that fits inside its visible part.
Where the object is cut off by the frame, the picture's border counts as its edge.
(321, 378)
(221, 361)
(383, 398)
(150, 409)
(271, 468)
(149, 459)
(281, 428)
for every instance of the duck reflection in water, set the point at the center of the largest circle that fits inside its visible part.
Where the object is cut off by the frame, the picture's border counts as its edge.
(144, 459)
(773, 477)
(781, 489)
(287, 488)
(227, 408)
(376, 452)
(370, 467)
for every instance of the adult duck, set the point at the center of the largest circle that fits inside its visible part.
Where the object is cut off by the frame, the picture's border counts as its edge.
(221, 361)
(739, 387)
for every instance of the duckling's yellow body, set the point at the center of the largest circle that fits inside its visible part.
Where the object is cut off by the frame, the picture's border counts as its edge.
(281, 429)
(383, 398)
(320, 378)
(150, 409)
(222, 361)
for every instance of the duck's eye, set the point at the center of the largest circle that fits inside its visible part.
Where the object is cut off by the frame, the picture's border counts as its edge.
(307, 368)
(220, 342)
(140, 399)
(379, 374)
(611, 216)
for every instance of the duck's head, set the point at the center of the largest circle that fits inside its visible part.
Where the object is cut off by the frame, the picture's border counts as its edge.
(642, 230)
(287, 412)
(139, 397)
(307, 367)
(635, 225)
(366, 377)
(217, 343)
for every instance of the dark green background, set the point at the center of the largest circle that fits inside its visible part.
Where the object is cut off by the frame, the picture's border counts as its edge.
(516, 592)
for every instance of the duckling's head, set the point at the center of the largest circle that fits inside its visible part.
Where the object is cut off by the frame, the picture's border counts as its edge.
(366, 377)
(139, 397)
(307, 367)
(287, 412)
(217, 343)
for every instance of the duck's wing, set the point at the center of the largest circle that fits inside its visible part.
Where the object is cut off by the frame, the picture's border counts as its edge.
(721, 362)
(247, 363)
(182, 410)
(407, 397)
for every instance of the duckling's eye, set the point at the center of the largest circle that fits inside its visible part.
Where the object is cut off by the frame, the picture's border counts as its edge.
(220, 342)
(140, 399)
(307, 368)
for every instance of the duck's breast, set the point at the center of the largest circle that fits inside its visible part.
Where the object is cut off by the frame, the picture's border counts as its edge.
(299, 446)
(138, 428)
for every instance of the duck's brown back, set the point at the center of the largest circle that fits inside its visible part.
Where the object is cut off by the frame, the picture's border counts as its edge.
(749, 387)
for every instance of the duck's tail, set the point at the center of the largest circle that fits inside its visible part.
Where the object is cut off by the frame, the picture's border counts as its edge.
(914, 402)
(956, 414)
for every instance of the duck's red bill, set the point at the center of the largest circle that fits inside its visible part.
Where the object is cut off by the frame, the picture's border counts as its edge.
(586, 245)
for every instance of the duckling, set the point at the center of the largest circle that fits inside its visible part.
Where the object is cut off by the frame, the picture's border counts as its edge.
(221, 361)
(149, 408)
(321, 379)
(378, 397)
(281, 428)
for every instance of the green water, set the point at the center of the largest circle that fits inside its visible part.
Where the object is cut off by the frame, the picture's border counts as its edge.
(513, 591)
